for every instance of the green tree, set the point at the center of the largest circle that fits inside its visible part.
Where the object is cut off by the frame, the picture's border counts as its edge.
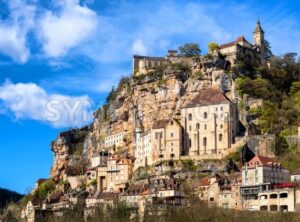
(268, 54)
(190, 49)
(111, 95)
(212, 46)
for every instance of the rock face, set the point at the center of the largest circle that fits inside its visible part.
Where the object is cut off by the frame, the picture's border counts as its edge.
(61, 156)
(150, 97)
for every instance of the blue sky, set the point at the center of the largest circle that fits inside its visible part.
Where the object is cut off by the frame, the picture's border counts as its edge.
(59, 60)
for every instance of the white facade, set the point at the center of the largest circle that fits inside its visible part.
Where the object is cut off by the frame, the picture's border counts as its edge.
(210, 125)
(114, 139)
(143, 152)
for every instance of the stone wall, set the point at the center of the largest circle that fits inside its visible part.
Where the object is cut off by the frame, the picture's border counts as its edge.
(263, 145)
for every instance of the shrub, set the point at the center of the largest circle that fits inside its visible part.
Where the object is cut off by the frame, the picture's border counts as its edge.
(45, 188)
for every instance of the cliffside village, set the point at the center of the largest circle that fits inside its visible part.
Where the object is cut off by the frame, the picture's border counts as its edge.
(208, 129)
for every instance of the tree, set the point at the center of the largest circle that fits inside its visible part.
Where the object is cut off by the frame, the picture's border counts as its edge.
(111, 95)
(190, 49)
(268, 54)
(212, 46)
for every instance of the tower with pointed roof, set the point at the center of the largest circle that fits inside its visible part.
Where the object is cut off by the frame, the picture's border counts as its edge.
(258, 36)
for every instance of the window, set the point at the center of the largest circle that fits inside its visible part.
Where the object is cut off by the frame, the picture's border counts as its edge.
(221, 126)
(220, 137)
(172, 134)
(204, 141)
(205, 115)
(273, 196)
(171, 144)
(221, 108)
(205, 126)
(190, 128)
(197, 126)
(283, 195)
(190, 116)
(172, 122)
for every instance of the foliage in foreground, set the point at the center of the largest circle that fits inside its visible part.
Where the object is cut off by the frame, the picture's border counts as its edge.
(196, 212)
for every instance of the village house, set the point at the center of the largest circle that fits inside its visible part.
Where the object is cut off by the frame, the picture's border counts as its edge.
(210, 122)
(230, 192)
(165, 191)
(135, 195)
(119, 171)
(263, 170)
(265, 186)
(102, 198)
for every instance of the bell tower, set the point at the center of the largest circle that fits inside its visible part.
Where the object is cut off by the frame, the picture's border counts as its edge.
(258, 36)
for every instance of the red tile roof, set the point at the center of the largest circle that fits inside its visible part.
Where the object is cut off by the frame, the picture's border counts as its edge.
(239, 39)
(208, 97)
(262, 161)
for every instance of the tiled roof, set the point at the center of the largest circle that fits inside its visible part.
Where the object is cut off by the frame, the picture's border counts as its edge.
(135, 189)
(108, 195)
(262, 161)
(208, 97)
(239, 39)
(160, 124)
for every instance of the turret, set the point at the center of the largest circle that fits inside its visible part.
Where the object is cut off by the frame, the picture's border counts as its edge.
(258, 36)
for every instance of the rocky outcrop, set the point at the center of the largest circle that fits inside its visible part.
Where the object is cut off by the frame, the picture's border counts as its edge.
(148, 98)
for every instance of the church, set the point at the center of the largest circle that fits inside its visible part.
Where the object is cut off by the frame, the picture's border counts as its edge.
(243, 49)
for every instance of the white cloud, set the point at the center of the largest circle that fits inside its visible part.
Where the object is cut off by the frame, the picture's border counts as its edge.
(60, 31)
(29, 101)
(139, 48)
(13, 43)
(14, 30)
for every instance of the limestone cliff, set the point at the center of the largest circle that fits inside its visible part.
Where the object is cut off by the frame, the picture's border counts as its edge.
(159, 94)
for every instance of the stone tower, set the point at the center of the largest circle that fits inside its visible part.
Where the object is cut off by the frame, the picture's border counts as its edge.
(258, 36)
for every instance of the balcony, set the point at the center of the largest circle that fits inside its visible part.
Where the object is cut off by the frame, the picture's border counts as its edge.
(112, 170)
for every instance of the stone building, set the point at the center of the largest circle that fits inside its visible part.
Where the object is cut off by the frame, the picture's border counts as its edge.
(167, 139)
(115, 139)
(143, 152)
(265, 186)
(119, 171)
(263, 170)
(144, 64)
(210, 122)
(162, 142)
(241, 48)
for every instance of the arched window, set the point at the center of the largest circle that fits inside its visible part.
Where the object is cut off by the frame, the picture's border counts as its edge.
(221, 126)
(220, 137)
(172, 134)
(205, 115)
(204, 141)
(190, 116)
(197, 126)
(205, 126)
